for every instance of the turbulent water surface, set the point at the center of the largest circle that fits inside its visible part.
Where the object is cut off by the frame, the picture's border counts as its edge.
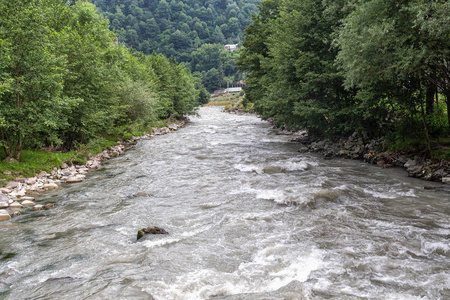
(249, 218)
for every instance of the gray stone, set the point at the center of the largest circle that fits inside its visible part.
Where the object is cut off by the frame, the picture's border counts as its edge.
(64, 166)
(4, 215)
(74, 179)
(31, 181)
(410, 163)
(446, 180)
(343, 152)
(20, 179)
(12, 185)
(4, 203)
(49, 186)
(66, 173)
(5, 191)
(7, 173)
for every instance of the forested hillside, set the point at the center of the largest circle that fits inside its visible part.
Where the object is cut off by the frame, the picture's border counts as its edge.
(380, 68)
(193, 32)
(64, 81)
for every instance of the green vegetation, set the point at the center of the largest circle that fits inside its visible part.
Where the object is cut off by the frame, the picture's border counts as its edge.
(194, 32)
(335, 67)
(66, 84)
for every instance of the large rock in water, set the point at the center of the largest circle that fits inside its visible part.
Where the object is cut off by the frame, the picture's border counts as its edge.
(150, 230)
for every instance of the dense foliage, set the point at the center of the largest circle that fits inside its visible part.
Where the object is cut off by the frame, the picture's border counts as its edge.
(64, 80)
(193, 32)
(339, 66)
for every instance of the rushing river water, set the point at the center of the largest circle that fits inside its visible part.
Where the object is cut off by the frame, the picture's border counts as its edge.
(249, 218)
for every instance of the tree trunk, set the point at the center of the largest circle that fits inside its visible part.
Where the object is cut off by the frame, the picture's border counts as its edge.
(425, 127)
(18, 150)
(430, 100)
(447, 99)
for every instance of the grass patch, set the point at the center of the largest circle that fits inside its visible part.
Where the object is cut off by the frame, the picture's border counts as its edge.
(34, 161)
(218, 104)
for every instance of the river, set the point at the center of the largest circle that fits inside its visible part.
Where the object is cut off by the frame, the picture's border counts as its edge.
(248, 217)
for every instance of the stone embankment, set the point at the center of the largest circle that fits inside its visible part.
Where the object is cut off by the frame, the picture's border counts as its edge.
(363, 148)
(20, 193)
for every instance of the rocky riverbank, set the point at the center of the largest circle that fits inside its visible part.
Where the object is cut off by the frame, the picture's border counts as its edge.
(363, 148)
(20, 193)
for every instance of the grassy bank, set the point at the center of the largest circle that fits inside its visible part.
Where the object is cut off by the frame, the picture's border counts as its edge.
(32, 161)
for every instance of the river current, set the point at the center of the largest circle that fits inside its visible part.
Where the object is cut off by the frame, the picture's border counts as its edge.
(248, 217)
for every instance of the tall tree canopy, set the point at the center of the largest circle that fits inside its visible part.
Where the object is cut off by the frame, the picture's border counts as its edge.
(339, 66)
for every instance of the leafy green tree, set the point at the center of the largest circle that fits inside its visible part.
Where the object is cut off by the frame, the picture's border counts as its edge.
(396, 51)
(32, 76)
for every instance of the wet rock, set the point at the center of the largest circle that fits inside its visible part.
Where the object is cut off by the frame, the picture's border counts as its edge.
(49, 205)
(27, 198)
(20, 179)
(4, 215)
(15, 214)
(150, 230)
(39, 207)
(446, 180)
(140, 194)
(64, 166)
(173, 127)
(15, 204)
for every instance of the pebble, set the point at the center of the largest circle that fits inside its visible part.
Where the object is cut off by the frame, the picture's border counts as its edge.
(4, 215)
(38, 207)
(27, 203)
(15, 204)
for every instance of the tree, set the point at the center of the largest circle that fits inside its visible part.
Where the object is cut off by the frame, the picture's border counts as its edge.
(32, 76)
(397, 51)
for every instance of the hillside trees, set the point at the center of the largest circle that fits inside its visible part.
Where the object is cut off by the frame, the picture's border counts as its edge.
(181, 28)
(63, 80)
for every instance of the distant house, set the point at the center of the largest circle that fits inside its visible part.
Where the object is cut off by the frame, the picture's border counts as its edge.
(231, 47)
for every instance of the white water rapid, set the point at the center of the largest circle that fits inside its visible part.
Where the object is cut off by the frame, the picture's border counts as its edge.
(248, 218)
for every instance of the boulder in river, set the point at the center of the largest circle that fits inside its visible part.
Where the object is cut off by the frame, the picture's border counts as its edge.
(150, 230)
